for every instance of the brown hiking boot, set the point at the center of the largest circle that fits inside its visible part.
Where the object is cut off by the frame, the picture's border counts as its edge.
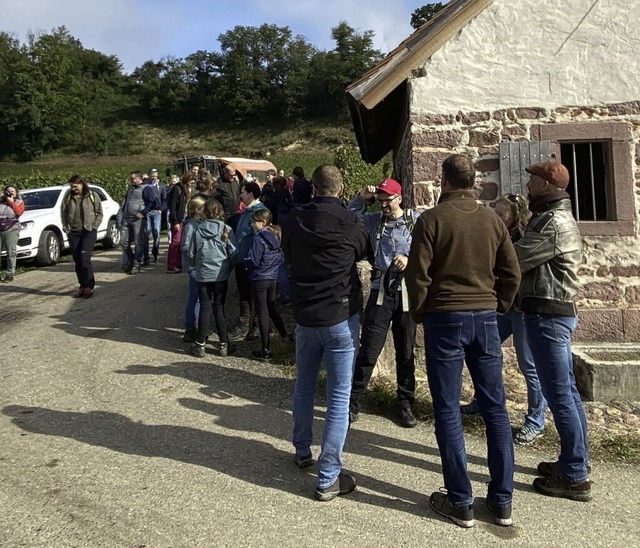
(548, 469)
(555, 486)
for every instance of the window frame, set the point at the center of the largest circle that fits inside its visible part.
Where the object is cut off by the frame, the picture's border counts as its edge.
(616, 136)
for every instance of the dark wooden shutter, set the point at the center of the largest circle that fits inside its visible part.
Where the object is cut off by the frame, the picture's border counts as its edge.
(514, 157)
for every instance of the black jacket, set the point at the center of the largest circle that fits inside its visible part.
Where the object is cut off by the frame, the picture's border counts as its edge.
(323, 241)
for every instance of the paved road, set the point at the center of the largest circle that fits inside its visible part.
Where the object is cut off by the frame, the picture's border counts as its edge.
(110, 435)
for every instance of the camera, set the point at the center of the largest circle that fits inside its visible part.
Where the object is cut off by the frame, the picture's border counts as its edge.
(8, 194)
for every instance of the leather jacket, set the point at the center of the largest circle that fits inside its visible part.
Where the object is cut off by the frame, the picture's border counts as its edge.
(550, 254)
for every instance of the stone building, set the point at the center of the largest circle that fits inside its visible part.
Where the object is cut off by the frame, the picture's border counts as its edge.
(512, 82)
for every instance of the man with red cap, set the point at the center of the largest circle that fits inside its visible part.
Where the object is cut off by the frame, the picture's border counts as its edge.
(389, 233)
(550, 254)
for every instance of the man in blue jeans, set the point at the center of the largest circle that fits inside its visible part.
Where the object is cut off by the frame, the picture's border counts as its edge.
(323, 241)
(550, 255)
(154, 215)
(462, 268)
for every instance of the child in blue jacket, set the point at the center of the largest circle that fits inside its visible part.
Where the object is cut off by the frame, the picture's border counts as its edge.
(263, 262)
(213, 249)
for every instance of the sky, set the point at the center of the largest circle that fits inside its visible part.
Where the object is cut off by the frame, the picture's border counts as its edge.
(141, 30)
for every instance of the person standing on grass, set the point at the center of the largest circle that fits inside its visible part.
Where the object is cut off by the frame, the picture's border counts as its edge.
(387, 307)
(213, 251)
(81, 215)
(263, 262)
(462, 269)
(550, 255)
(513, 209)
(323, 241)
(11, 207)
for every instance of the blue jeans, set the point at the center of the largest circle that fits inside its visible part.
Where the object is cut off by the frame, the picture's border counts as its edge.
(192, 308)
(450, 339)
(512, 323)
(338, 344)
(154, 220)
(550, 341)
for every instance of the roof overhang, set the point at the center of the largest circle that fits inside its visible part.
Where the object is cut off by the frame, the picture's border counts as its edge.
(379, 83)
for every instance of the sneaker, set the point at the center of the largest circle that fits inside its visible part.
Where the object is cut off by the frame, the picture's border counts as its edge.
(555, 486)
(7, 279)
(407, 418)
(462, 516)
(470, 408)
(197, 349)
(262, 355)
(252, 335)
(190, 335)
(155, 260)
(527, 435)
(79, 293)
(501, 514)
(304, 461)
(548, 469)
(344, 484)
(226, 349)
(88, 292)
(145, 262)
(235, 335)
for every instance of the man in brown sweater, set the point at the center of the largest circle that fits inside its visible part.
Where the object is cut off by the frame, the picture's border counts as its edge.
(462, 269)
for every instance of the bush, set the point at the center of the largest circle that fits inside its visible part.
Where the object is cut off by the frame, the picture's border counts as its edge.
(356, 172)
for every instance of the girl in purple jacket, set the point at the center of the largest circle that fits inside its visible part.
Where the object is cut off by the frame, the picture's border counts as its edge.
(263, 261)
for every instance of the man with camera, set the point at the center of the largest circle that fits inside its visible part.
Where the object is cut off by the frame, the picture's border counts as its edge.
(389, 233)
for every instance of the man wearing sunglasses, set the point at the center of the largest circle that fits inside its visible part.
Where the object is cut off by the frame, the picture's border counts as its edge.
(389, 233)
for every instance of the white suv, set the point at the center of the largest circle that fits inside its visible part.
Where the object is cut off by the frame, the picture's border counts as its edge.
(41, 236)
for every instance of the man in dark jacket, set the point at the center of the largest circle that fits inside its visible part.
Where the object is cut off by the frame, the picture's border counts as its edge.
(323, 241)
(550, 255)
(229, 189)
(462, 268)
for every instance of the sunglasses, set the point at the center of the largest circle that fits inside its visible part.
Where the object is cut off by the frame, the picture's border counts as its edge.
(386, 202)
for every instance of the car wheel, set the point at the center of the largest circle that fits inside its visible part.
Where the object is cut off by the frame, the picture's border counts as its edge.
(112, 238)
(48, 249)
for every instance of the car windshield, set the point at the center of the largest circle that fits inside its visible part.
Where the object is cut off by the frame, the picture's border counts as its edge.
(40, 199)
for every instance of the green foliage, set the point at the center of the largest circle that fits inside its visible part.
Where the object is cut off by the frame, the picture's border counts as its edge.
(357, 174)
(421, 15)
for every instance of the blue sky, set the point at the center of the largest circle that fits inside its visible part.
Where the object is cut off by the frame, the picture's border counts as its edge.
(139, 30)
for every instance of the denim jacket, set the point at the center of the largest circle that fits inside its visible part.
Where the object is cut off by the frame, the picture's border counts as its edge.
(550, 254)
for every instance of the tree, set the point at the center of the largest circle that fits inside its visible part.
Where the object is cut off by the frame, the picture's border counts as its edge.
(421, 15)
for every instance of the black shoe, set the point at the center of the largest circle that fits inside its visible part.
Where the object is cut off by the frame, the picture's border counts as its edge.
(235, 335)
(88, 292)
(462, 517)
(548, 469)
(197, 349)
(304, 461)
(8, 279)
(353, 417)
(145, 262)
(501, 514)
(252, 335)
(155, 260)
(407, 418)
(228, 348)
(79, 293)
(470, 408)
(344, 484)
(262, 355)
(555, 486)
(190, 335)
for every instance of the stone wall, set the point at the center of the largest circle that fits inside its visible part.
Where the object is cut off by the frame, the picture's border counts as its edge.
(610, 298)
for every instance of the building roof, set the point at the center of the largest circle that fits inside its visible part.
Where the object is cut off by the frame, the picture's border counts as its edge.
(383, 81)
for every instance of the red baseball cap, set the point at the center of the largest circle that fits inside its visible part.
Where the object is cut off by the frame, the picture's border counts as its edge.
(390, 187)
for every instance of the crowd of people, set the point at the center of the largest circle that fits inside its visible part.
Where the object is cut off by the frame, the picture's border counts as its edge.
(470, 275)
